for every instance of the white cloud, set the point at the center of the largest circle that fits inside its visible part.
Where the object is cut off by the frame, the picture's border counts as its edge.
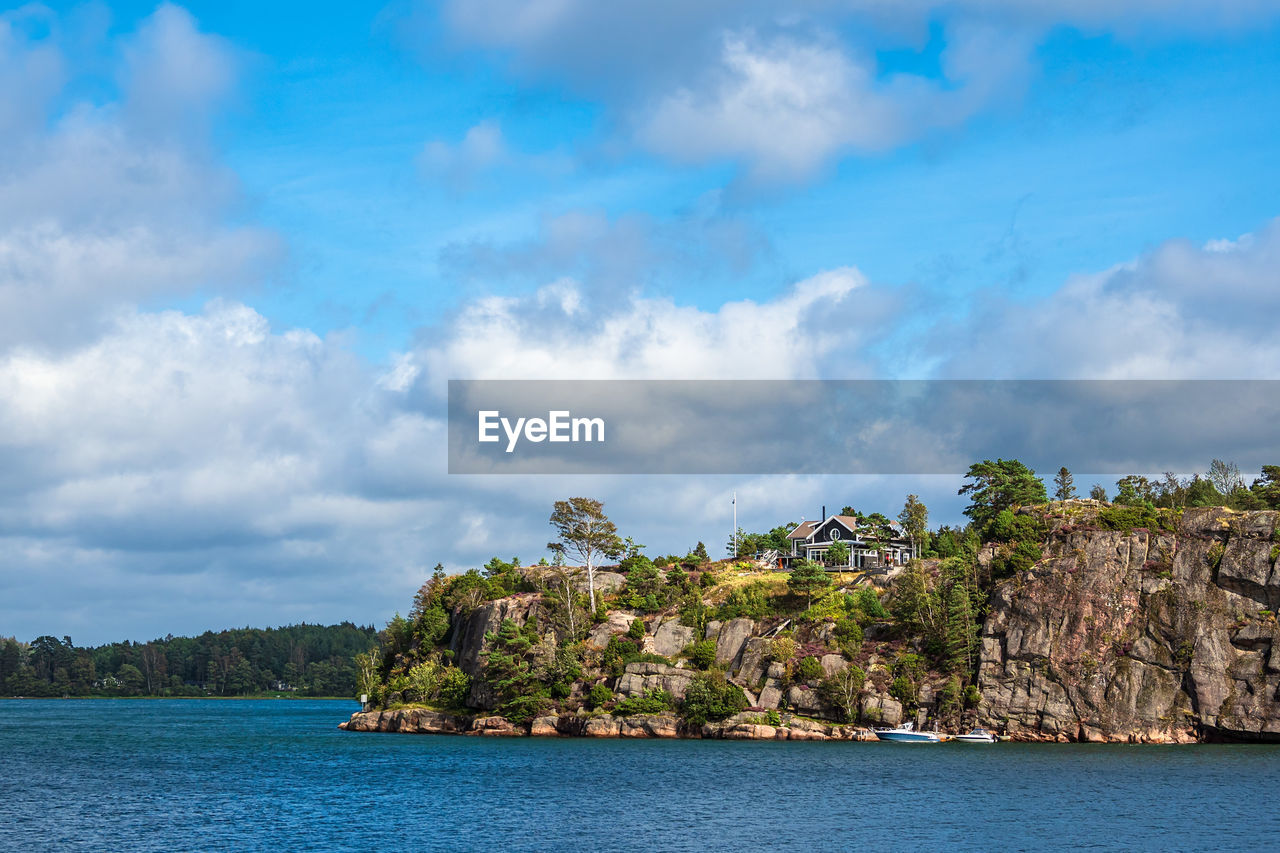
(1179, 311)
(787, 107)
(102, 206)
(776, 89)
(545, 337)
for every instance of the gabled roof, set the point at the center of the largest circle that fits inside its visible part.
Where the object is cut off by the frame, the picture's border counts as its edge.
(803, 529)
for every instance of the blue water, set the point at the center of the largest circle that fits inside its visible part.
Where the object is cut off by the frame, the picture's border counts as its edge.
(169, 775)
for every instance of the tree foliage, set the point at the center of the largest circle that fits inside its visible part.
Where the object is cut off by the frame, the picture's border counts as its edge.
(586, 533)
(999, 485)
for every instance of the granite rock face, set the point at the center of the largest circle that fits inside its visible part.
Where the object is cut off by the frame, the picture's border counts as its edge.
(1140, 636)
(640, 677)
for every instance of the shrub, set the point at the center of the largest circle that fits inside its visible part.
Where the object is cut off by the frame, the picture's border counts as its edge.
(972, 696)
(748, 602)
(848, 633)
(1127, 518)
(701, 654)
(1275, 553)
(636, 631)
(842, 689)
(599, 695)
(1007, 527)
(810, 669)
(652, 702)
(904, 690)
(869, 603)
(1215, 554)
(782, 649)
(1011, 560)
(711, 697)
(773, 718)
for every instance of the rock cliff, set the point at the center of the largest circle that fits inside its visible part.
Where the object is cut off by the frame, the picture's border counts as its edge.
(1140, 635)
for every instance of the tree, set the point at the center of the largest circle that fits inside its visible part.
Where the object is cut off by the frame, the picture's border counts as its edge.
(808, 578)
(587, 533)
(1000, 485)
(1225, 476)
(838, 554)
(1201, 492)
(1064, 486)
(1134, 490)
(1098, 493)
(1267, 487)
(915, 520)
(842, 691)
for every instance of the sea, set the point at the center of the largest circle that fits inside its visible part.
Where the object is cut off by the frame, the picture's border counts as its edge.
(205, 775)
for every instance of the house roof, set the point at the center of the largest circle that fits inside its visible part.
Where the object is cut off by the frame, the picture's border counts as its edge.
(806, 529)
(802, 530)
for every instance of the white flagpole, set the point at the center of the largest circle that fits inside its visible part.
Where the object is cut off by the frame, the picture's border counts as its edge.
(735, 525)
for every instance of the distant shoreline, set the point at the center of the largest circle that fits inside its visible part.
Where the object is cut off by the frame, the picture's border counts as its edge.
(183, 698)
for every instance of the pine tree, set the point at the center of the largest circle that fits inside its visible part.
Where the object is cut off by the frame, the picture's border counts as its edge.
(1064, 485)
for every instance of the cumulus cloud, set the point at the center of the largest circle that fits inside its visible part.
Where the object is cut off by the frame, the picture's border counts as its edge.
(544, 336)
(105, 205)
(787, 107)
(1179, 311)
(787, 91)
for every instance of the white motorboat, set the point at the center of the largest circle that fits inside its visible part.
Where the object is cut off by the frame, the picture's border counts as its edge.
(976, 736)
(906, 733)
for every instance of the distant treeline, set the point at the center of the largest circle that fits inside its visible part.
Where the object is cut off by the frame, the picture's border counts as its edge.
(309, 660)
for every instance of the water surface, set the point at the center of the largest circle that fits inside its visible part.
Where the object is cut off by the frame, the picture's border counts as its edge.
(163, 775)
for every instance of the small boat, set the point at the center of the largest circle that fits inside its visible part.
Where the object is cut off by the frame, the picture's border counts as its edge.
(906, 733)
(976, 736)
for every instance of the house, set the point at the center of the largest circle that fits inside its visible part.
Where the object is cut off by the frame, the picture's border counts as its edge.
(868, 548)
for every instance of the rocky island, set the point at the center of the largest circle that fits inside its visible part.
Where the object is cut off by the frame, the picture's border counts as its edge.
(1069, 620)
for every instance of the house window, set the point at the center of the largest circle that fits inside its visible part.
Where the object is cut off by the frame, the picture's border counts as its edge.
(835, 534)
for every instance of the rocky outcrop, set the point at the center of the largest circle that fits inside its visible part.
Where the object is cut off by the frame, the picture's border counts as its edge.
(744, 726)
(467, 640)
(640, 677)
(617, 623)
(670, 638)
(1140, 636)
(730, 640)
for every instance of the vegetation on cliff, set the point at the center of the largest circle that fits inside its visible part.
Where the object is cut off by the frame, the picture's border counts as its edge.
(707, 640)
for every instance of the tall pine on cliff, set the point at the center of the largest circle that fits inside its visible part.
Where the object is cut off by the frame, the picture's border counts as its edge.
(998, 486)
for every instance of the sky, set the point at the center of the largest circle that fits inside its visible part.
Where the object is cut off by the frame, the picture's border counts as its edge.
(243, 248)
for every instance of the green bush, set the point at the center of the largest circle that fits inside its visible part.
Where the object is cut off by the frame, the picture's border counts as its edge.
(654, 701)
(782, 649)
(701, 654)
(904, 690)
(600, 695)
(710, 697)
(810, 669)
(746, 602)
(1127, 518)
(773, 718)
(1010, 560)
(869, 603)
(848, 633)
(636, 631)
(1008, 527)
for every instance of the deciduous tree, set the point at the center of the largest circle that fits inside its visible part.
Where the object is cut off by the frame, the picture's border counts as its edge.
(586, 533)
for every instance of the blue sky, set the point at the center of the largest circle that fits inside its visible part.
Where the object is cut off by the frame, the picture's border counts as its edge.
(241, 250)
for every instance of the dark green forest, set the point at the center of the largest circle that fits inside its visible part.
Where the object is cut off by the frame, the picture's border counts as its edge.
(304, 660)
